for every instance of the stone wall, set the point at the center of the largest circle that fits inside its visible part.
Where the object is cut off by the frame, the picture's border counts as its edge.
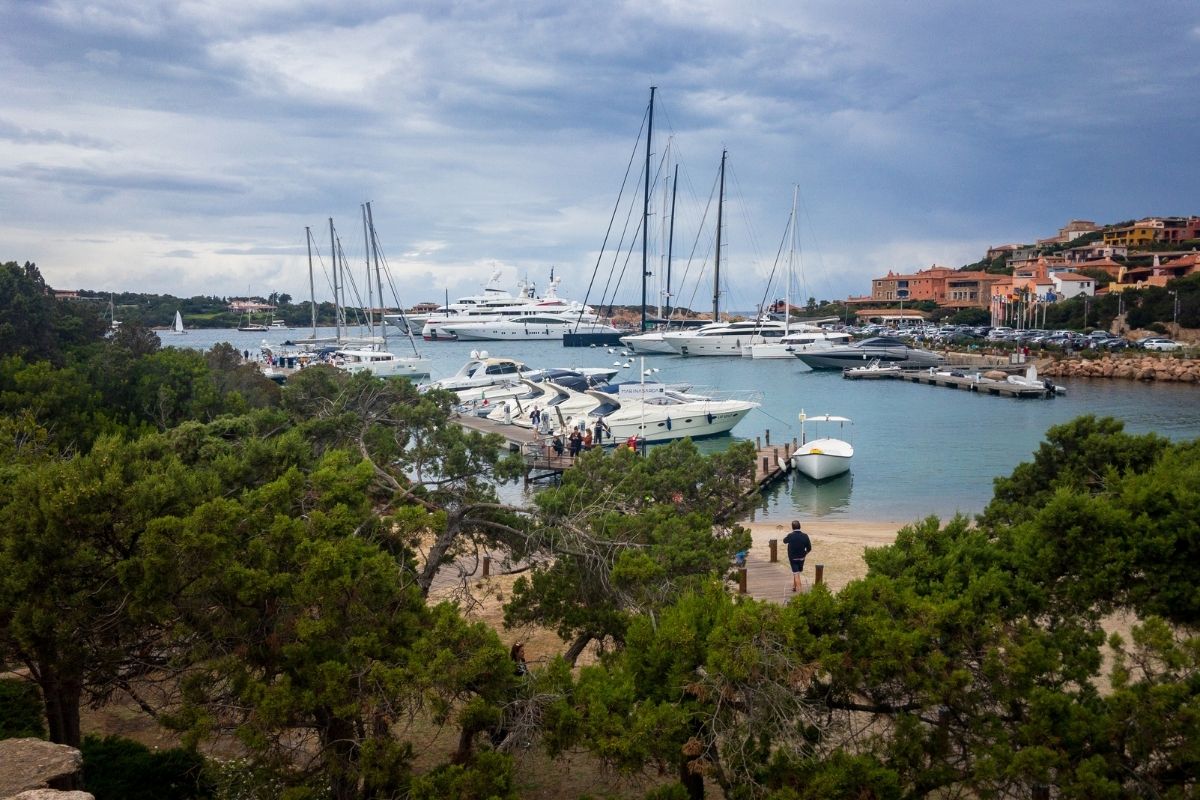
(1127, 367)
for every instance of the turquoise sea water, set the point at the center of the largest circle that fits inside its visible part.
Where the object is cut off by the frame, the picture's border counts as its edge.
(919, 450)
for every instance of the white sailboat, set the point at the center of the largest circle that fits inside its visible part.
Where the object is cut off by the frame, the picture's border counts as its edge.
(824, 457)
(177, 328)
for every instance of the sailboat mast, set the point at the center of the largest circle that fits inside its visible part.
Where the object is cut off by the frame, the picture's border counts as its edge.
(378, 279)
(671, 238)
(312, 292)
(337, 301)
(787, 293)
(370, 288)
(646, 206)
(717, 271)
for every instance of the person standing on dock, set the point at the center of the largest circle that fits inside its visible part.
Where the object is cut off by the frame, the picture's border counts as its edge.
(600, 429)
(798, 548)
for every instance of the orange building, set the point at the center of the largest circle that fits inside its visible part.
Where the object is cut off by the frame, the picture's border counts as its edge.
(941, 285)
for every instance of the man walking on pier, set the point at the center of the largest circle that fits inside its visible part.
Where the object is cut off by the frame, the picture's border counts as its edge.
(798, 548)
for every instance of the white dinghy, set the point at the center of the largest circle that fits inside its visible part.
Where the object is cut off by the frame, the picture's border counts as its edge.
(823, 457)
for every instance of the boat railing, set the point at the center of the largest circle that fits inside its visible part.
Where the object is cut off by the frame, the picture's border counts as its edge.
(745, 395)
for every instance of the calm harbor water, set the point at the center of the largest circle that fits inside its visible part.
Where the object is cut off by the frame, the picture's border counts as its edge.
(919, 450)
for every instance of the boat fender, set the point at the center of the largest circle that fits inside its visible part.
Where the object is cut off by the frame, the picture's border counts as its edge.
(668, 423)
(710, 418)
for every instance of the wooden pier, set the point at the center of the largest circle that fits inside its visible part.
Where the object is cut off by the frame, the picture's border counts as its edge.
(971, 382)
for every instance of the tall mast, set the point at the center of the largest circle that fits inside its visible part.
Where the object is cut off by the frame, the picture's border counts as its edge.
(646, 205)
(312, 292)
(717, 271)
(787, 294)
(671, 238)
(337, 302)
(378, 279)
(370, 287)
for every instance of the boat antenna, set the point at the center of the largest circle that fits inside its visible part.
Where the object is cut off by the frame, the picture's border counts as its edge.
(717, 270)
(646, 207)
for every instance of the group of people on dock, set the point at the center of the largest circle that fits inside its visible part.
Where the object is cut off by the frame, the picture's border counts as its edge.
(583, 438)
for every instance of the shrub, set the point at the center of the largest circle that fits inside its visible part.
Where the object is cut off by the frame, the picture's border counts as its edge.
(20, 710)
(115, 768)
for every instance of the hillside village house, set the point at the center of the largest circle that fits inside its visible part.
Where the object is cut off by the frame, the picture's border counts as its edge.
(1154, 229)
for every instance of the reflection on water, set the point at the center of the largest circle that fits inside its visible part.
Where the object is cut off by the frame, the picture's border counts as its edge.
(823, 498)
(797, 495)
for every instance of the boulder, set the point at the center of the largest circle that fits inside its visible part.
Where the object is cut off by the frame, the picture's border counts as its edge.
(32, 764)
(51, 794)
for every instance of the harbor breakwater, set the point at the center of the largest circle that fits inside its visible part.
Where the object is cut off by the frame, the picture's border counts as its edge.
(1126, 367)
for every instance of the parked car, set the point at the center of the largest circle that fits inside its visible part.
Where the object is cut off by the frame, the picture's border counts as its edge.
(1114, 344)
(1156, 343)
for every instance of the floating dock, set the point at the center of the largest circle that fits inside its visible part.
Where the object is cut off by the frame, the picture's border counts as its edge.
(950, 378)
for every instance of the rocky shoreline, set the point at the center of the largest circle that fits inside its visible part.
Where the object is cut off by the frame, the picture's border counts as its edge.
(1126, 367)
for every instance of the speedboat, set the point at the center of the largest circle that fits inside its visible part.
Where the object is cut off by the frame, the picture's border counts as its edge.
(885, 349)
(807, 337)
(482, 369)
(560, 403)
(872, 368)
(648, 342)
(658, 414)
(381, 363)
(725, 338)
(1030, 379)
(823, 457)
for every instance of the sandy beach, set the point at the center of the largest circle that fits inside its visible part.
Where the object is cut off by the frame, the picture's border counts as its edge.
(837, 544)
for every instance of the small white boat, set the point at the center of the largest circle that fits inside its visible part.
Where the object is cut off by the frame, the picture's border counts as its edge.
(824, 457)
(1030, 379)
(875, 367)
(177, 329)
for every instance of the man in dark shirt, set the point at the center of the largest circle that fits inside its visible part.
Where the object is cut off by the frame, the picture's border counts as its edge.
(798, 548)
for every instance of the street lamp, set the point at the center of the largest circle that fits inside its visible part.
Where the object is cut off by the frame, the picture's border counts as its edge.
(1174, 313)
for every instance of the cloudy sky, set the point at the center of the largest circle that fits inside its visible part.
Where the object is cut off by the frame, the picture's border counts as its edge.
(183, 146)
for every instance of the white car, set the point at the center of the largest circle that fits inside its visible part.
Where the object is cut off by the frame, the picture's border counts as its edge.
(1154, 343)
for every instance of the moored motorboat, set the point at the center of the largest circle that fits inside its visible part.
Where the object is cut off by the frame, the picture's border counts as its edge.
(823, 457)
(885, 349)
(381, 363)
(530, 327)
(1030, 379)
(656, 413)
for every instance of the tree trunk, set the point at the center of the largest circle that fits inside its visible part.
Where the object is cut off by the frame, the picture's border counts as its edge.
(61, 697)
(576, 648)
(340, 755)
(693, 782)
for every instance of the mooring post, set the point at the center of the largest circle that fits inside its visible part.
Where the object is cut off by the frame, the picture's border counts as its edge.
(775, 454)
(766, 468)
(758, 443)
(774, 545)
(820, 576)
(487, 566)
(768, 435)
(741, 580)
